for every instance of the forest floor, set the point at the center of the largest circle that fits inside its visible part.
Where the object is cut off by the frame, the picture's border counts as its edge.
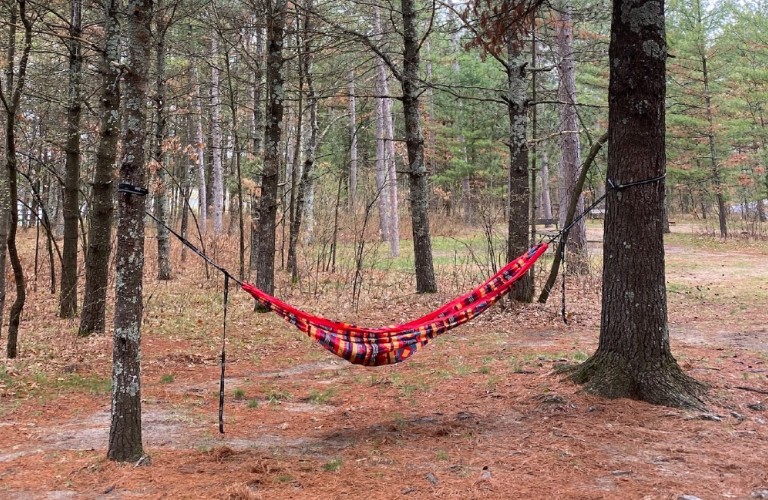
(479, 413)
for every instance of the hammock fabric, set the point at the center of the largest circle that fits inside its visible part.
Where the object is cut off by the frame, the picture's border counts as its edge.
(396, 343)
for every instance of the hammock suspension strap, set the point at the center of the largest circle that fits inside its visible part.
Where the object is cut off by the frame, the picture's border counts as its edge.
(223, 355)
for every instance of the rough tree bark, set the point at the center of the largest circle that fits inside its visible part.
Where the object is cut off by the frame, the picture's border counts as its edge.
(414, 141)
(633, 358)
(68, 289)
(267, 205)
(103, 188)
(125, 429)
(518, 214)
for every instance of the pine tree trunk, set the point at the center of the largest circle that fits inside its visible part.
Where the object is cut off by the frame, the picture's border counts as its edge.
(633, 358)
(267, 206)
(381, 168)
(202, 194)
(393, 218)
(351, 105)
(414, 141)
(305, 181)
(68, 289)
(125, 442)
(216, 140)
(9, 207)
(258, 139)
(518, 215)
(103, 189)
(162, 188)
(570, 143)
(546, 202)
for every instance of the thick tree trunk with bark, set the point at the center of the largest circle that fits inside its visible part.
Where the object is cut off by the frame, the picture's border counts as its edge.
(570, 143)
(68, 289)
(414, 142)
(267, 205)
(125, 429)
(633, 358)
(103, 187)
(162, 188)
(518, 214)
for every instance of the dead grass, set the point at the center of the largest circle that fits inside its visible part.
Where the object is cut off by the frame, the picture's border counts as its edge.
(301, 424)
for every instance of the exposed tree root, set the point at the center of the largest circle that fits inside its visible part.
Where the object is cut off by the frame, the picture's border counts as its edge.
(609, 375)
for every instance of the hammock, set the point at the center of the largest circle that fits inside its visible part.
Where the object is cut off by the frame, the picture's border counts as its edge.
(396, 343)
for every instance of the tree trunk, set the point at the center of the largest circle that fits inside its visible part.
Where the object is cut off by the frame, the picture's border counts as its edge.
(68, 289)
(546, 202)
(103, 189)
(125, 429)
(216, 140)
(265, 264)
(381, 168)
(518, 215)
(202, 194)
(8, 206)
(633, 358)
(716, 181)
(305, 182)
(352, 139)
(162, 187)
(414, 141)
(570, 143)
(393, 218)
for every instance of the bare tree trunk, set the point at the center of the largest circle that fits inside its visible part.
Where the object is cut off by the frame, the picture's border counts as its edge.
(546, 202)
(11, 97)
(101, 213)
(125, 443)
(258, 136)
(265, 265)
(311, 144)
(633, 358)
(414, 141)
(68, 290)
(237, 197)
(381, 168)
(393, 218)
(216, 141)
(570, 143)
(351, 105)
(161, 191)
(518, 192)
(202, 194)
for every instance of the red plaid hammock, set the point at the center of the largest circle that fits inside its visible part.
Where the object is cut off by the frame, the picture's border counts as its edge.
(396, 343)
